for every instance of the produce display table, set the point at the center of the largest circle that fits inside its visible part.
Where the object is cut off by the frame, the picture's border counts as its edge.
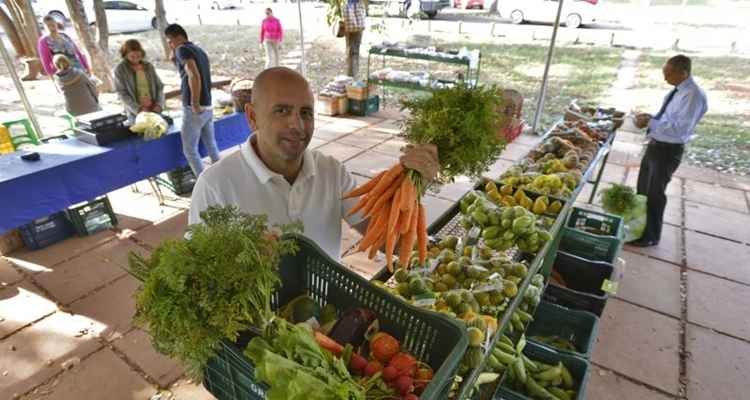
(71, 171)
(450, 224)
(470, 60)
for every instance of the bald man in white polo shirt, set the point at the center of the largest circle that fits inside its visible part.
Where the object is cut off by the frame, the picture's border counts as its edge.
(274, 173)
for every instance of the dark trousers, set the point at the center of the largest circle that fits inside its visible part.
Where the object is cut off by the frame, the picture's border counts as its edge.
(657, 166)
(353, 42)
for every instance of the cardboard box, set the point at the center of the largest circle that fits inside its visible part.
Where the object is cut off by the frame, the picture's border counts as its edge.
(10, 241)
(331, 105)
(360, 93)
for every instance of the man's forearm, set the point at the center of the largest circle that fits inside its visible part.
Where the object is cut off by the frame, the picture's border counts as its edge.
(194, 82)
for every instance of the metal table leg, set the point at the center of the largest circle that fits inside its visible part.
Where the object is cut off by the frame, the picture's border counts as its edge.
(598, 177)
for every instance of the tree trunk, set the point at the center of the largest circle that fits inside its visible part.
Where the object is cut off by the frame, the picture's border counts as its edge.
(494, 7)
(161, 25)
(10, 29)
(102, 27)
(25, 23)
(27, 34)
(99, 61)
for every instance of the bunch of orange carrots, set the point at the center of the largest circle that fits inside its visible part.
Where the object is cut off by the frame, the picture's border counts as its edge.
(391, 201)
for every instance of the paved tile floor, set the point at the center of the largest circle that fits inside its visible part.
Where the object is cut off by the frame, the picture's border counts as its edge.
(678, 328)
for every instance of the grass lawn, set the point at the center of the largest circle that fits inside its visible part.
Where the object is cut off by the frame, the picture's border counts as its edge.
(723, 136)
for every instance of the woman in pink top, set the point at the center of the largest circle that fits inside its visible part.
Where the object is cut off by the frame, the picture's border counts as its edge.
(270, 37)
(57, 42)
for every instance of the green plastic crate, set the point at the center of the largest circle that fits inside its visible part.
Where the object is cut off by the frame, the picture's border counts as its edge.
(93, 216)
(592, 235)
(432, 338)
(596, 223)
(580, 327)
(364, 107)
(578, 367)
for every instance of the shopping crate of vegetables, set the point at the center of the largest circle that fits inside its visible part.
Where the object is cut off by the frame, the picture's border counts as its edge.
(531, 371)
(255, 316)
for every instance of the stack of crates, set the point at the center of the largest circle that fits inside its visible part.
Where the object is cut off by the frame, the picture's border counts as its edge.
(46, 231)
(22, 134)
(591, 243)
(93, 216)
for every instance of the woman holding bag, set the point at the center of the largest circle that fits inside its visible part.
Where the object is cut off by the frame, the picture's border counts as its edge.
(137, 84)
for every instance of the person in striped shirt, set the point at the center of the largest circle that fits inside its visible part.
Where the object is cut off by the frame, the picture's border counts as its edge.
(271, 35)
(353, 14)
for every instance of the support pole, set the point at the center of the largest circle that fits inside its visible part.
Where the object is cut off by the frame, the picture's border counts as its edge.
(302, 66)
(545, 77)
(19, 88)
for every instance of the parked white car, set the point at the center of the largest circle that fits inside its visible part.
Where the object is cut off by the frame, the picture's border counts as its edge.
(122, 16)
(575, 13)
(218, 4)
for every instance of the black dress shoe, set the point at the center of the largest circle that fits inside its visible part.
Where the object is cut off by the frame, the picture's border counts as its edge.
(643, 243)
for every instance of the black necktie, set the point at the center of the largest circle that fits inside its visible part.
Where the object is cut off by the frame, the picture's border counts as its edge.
(666, 103)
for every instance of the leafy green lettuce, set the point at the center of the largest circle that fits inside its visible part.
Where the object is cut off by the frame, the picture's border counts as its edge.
(291, 362)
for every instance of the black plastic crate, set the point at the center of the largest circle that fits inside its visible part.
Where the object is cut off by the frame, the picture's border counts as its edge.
(93, 216)
(181, 181)
(584, 280)
(46, 231)
(579, 327)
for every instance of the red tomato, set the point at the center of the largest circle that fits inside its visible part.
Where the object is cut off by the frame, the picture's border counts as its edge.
(383, 347)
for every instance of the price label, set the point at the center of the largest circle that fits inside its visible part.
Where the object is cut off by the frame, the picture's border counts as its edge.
(490, 287)
(425, 303)
(610, 287)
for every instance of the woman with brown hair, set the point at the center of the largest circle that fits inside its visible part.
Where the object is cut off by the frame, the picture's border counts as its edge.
(136, 82)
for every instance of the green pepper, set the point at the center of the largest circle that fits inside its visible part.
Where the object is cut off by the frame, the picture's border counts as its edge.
(567, 378)
(538, 391)
(520, 370)
(559, 393)
(503, 357)
(550, 374)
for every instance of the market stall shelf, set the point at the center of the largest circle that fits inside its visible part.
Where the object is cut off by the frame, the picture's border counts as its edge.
(423, 81)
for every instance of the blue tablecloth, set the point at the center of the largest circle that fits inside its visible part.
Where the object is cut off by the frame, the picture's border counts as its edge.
(72, 171)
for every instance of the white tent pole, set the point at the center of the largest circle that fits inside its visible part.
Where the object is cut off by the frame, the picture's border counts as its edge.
(19, 88)
(545, 77)
(303, 67)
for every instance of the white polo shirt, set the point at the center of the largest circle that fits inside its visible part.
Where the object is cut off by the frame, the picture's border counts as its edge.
(243, 180)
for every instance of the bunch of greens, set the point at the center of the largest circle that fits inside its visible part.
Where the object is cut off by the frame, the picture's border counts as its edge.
(219, 282)
(619, 199)
(464, 123)
(295, 367)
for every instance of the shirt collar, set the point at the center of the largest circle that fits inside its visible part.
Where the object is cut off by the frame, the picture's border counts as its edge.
(687, 82)
(264, 174)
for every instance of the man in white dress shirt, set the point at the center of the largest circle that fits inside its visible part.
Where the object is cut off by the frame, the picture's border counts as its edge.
(669, 130)
(274, 173)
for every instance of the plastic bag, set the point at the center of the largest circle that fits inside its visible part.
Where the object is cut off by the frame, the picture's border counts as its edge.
(635, 220)
(150, 124)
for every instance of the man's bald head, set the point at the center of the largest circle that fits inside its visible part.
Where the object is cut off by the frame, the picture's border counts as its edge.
(272, 77)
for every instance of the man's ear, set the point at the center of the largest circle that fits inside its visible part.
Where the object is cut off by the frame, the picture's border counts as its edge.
(252, 116)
